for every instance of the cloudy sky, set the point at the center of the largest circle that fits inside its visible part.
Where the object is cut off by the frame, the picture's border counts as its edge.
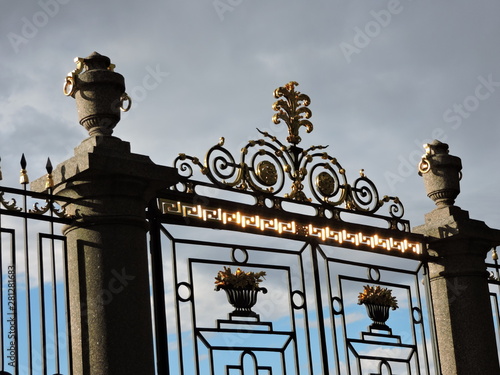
(384, 78)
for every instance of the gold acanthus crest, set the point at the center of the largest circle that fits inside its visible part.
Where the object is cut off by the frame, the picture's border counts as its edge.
(293, 110)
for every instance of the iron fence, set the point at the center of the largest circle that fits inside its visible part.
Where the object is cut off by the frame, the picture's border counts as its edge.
(34, 324)
(305, 324)
(309, 321)
(342, 288)
(291, 213)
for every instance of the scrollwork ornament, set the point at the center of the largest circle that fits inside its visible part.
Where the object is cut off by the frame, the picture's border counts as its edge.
(396, 208)
(264, 166)
(40, 210)
(183, 167)
(364, 195)
(11, 206)
(327, 183)
(61, 212)
(49, 207)
(221, 168)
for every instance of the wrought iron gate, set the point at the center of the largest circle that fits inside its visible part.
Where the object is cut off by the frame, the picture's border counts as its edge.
(318, 254)
(324, 243)
(34, 326)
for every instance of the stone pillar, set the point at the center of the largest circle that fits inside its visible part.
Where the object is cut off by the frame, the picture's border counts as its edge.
(458, 276)
(111, 322)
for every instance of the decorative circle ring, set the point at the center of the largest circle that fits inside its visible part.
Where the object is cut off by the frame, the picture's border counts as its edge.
(69, 86)
(417, 315)
(337, 306)
(424, 166)
(125, 98)
(189, 290)
(373, 274)
(234, 255)
(298, 299)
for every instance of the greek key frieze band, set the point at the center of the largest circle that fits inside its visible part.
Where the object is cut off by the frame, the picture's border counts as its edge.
(322, 233)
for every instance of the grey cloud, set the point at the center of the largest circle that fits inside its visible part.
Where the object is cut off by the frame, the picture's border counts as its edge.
(372, 111)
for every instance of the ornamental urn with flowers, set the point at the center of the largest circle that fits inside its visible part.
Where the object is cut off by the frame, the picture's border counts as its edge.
(241, 289)
(378, 301)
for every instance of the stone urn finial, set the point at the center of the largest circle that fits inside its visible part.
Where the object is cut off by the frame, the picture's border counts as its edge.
(99, 93)
(441, 172)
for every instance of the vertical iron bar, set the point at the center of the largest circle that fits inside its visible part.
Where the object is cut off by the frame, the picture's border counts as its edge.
(28, 287)
(332, 318)
(498, 313)
(358, 364)
(41, 294)
(306, 314)
(67, 310)
(49, 183)
(158, 291)
(497, 268)
(294, 325)
(283, 363)
(193, 322)
(319, 307)
(413, 328)
(2, 337)
(177, 308)
(16, 334)
(432, 321)
(211, 361)
(422, 325)
(54, 292)
(344, 331)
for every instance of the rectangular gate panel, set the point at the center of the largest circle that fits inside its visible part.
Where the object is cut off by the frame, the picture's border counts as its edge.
(307, 321)
(34, 328)
(360, 345)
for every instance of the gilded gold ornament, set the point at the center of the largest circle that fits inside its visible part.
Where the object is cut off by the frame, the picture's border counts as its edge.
(293, 111)
(266, 172)
(325, 183)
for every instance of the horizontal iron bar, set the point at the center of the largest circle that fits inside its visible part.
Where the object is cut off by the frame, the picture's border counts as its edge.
(34, 216)
(35, 194)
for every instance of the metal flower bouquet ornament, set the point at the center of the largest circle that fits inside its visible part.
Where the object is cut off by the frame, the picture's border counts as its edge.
(241, 289)
(378, 301)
